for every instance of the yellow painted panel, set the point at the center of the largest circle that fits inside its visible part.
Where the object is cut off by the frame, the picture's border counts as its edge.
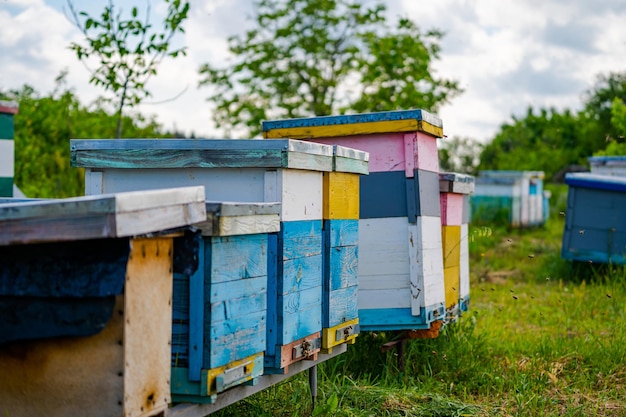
(249, 371)
(341, 196)
(452, 280)
(451, 240)
(328, 336)
(390, 126)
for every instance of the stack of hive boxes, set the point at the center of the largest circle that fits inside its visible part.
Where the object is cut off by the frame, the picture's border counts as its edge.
(400, 270)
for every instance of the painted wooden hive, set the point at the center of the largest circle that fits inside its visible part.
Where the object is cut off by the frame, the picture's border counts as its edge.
(286, 171)
(400, 271)
(608, 165)
(340, 321)
(8, 109)
(220, 311)
(595, 219)
(454, 192)
(85, 302)
(515, 197)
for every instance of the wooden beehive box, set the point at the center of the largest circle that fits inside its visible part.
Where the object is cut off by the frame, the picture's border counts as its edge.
(513, 196)
(608, 165)
(85, 302)
(285, 171)
(595, 219)
(400, 254)
(454, 189)
(220, 311)
(340, 322)
(8, 109)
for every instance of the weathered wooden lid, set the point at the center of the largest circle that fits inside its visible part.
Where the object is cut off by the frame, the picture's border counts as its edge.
(596, 181)
(234, 218)
(619, 160)
(104, 216)
(354, 124)
(200, 153)
(454, 182)
(350, 160)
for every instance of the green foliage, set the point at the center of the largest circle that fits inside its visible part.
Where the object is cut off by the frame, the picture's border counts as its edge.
(459, 154)
(43, 128)
(312, 58)
(617, 145)
(129, 50)
(599, 103)
(545, 141)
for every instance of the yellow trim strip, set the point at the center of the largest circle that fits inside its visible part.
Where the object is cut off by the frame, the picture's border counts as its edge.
(388, 126)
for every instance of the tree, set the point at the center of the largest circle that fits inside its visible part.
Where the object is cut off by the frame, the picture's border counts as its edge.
(599, 102)
(544, 141)
(460, 154)
(43, 128)
(320, 57)
(129, 50)
(617, 145)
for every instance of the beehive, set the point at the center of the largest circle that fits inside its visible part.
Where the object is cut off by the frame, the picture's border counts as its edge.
(400, 251)
(286, 171)
(608, 165)
(595, 224)
(220, 311)
(454, 189)
(8, 110)
(85, 302)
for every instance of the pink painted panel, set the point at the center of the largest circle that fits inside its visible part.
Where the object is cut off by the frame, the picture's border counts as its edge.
(426, 156)
(386, 149)
(451, 209)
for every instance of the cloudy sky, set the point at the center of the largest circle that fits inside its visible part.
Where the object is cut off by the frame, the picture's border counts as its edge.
(506, 54)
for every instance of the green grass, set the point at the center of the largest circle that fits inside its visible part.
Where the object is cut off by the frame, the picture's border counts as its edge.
(543, 337)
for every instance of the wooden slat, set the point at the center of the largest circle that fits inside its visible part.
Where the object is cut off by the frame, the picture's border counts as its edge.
(92, 217)
(341, 195)
(383, 195)
(350, 160)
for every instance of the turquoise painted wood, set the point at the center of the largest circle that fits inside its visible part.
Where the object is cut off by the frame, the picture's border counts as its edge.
(295, 291)
(386, 319)
(7, 153)
(516, 196)
(199, 153)
(340, 272)
(595, 224)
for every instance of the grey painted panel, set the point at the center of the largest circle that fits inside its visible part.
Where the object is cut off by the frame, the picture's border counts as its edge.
(423, 195)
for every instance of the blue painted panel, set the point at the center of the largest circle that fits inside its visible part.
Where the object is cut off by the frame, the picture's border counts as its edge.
(301, 323)
(342, 306)
(236, 339)
(532, 189)
(27, 318)
(92, 268)
(272, 332)
(237, 257)
(383, 194)
(300, 274)
(299, 239)
(196, 316)
(595, 181)
(399, 318)
(342, 267)
(180, 321)
(417, 115)
(590, 244)
(342, 232)
(239, 306)
(228, 290)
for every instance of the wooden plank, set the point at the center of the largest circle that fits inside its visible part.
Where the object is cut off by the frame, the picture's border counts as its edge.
(147, 329)
(464, 270)
(452, 283)
(7, 158)
(451, 243)
(92, 217)
(422, 193)
(234, 339)
(237, 257)
(240, 225)
(197, 313)
(454, 182)
(383, 299)
(342, 269)
(341, 195)
(383, 195)
(243, 391)
(200, 153)
(350, 160)
(301, 315)
(345, 125)
(6, 186)
(423, 153)
(224, 291)
(451, 209)
(7, 126)
(426, 263)
(341, 232)
(383, 253)
(342, 306)
(386, 319)
(301, 195)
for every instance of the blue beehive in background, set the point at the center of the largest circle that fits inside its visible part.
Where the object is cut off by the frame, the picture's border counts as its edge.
(608, 165)
(513, 196)
(595, 222)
